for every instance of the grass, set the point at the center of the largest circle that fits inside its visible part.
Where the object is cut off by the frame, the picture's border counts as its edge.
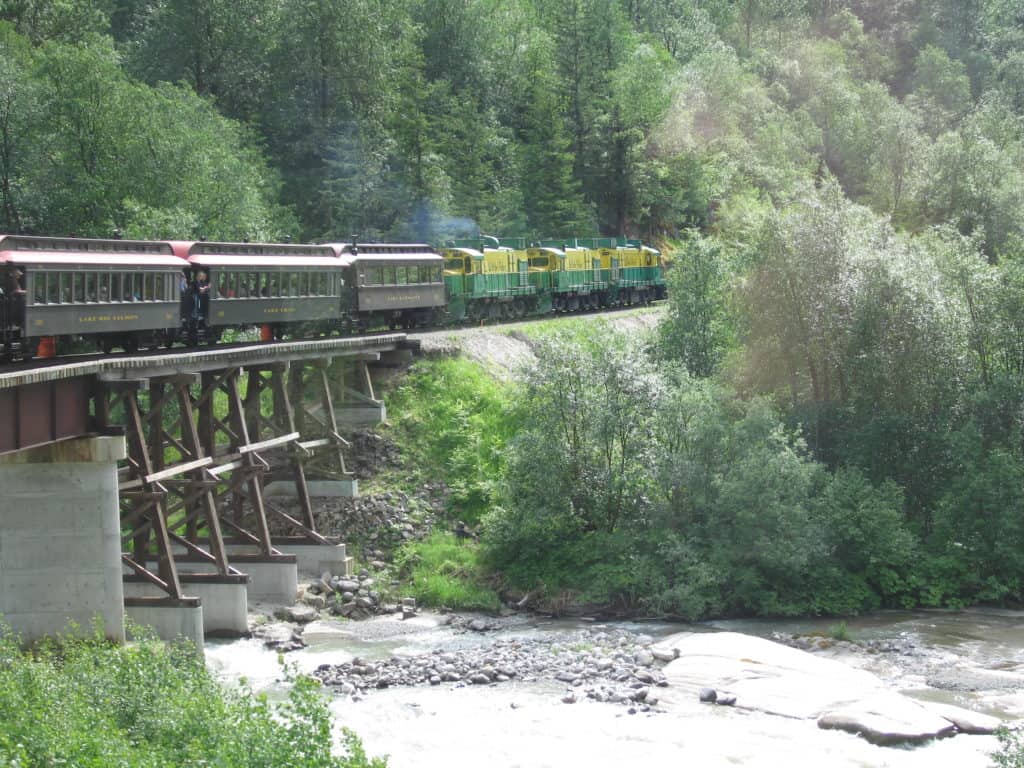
(445, 572)
(839, 631)
(451, 421)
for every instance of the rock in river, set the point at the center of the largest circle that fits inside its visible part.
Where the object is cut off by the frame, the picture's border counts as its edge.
(776, 679)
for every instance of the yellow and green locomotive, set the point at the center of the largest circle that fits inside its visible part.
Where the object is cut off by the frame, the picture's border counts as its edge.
(490, 278)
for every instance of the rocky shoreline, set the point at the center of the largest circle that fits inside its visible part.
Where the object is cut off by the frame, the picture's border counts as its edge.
(606, 665)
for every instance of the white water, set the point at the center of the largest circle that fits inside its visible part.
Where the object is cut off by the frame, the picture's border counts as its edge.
(512, 725)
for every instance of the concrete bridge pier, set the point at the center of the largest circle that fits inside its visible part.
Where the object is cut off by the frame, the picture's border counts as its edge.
(60, 537)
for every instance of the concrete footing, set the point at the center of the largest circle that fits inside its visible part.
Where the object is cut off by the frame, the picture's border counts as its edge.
(360, 414)
(60, 538)
(283, 489)
(314, 559)
(224, 601)
(170, 622)
(271, 582)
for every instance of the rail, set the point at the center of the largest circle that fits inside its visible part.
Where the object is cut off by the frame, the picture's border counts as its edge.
(194, 359)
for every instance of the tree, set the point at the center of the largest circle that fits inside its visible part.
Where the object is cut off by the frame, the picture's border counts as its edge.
(551, 194)
(942, 91)
(697, 329)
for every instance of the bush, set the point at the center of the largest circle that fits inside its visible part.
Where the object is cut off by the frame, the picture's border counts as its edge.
(85, 702)
(444, 572)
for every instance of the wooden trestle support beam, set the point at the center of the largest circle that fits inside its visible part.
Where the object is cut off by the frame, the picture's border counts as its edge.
(197, 456)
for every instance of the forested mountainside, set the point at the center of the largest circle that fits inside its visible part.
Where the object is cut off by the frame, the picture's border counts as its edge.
(833, 419)
(428, 118)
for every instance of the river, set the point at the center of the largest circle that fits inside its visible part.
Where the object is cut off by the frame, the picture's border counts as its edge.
(972, 658)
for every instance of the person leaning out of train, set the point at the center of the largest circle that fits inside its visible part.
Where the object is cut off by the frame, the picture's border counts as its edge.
(16, 282)
(201, 290)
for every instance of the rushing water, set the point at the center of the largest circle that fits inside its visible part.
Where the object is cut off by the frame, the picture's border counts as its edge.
(972, 658)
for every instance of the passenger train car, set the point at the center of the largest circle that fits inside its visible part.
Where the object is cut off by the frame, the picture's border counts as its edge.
(132, 294)
(115, 292)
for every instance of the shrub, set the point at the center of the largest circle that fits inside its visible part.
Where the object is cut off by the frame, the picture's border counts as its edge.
(444, 571)
(88, 703)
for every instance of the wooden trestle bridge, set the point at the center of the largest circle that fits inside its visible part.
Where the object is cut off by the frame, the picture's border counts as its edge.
(205, 431)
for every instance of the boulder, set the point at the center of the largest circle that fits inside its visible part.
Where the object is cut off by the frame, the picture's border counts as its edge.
(965, 720)
(887, 718)
(644, 658)
(300, 614)
(776, 679)
(763, 675)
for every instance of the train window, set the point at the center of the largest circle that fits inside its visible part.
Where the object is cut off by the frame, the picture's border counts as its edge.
(78, 288)
(455, 265)
(372, 276)
(90, 286)
(41, 283)
(293, 281)
(115, 288)
(223, 291)
(128, 287)
(159, 287)
(65, 288)
(401, 275)
(387, 276)
(323, 284)
(247, 284)
(304, 284)
(147, 287)
(103, 291)
(273, 289)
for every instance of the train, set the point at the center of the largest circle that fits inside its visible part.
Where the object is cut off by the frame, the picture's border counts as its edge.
(59, 293)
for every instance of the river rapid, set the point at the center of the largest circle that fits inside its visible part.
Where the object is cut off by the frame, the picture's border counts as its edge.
(973, 658)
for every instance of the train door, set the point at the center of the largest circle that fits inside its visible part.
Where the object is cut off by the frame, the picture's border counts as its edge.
(596, 266)
(475, 277)
(524, 277)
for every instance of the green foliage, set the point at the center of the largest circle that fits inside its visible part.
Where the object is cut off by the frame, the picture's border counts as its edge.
(432, 118)
(453, 421)
(1011, 749)
(88, 151)
(697, 330)
(444, 572)
(839, 631)
(85, 702)
(716, 510)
